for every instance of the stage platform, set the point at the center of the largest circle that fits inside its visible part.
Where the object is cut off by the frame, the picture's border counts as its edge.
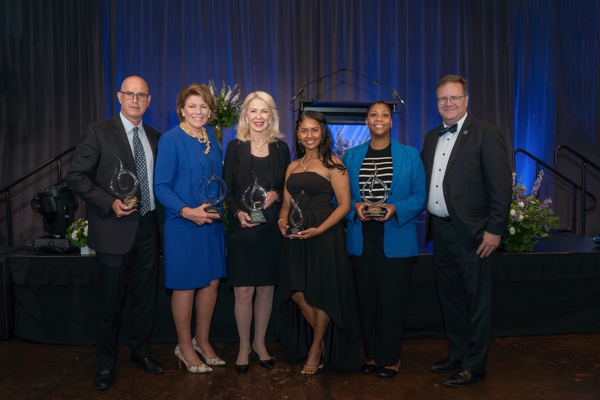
(554, 290)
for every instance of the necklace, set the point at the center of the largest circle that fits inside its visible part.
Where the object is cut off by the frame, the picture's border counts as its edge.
(304, 166)
(203, 139)
(257, 146)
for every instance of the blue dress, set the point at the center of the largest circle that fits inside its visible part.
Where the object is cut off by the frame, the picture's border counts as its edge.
(194, 255)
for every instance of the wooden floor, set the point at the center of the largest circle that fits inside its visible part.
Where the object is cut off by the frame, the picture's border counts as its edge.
(533, 367)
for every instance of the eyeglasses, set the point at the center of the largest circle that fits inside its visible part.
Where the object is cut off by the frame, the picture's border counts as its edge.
(453, 99)
(130, 95)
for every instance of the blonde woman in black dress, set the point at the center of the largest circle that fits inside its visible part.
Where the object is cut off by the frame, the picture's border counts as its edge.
(253, 249)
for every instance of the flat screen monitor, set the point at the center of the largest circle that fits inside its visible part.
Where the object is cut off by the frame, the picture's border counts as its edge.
(346, 136)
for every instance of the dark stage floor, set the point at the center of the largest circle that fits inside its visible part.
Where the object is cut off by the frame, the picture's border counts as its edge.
(533, 367)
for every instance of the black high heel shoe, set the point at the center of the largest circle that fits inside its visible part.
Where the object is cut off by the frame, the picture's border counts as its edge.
(268, 364)
(242, 369)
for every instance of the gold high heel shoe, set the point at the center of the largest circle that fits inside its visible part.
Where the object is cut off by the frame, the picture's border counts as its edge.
(208, 361)
(194, 369)
(312, 369)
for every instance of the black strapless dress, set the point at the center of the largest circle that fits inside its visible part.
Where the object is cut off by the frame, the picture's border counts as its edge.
(320, 268)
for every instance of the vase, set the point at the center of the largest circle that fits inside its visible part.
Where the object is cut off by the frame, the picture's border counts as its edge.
(223, 134)
(86, 251)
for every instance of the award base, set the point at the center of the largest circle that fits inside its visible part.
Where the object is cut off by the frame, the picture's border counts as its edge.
(132, 202)
(293, 230)
(374, 212)
(257, 217)
(215, 210)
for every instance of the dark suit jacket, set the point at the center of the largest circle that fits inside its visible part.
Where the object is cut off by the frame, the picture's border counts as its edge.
(477, 183)
(237, 174)
(89, 178)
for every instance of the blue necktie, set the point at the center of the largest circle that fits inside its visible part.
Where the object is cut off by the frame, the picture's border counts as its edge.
(452, 129)
(142, 171)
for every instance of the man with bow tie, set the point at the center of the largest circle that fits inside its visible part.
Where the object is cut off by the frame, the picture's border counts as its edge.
(468, 201)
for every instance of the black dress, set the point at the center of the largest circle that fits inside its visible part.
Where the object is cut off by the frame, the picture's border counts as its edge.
(253, 253)
(320, 268)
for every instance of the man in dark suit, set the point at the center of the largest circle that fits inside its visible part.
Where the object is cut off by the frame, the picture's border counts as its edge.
(469, 192)
(125, 240)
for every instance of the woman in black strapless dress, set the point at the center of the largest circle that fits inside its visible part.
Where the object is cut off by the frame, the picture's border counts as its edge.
(316, 290)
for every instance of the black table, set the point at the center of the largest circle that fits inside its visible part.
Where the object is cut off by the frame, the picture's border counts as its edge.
(554, 290)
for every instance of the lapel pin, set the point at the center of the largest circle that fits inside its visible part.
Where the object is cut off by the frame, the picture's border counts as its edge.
(465, 132)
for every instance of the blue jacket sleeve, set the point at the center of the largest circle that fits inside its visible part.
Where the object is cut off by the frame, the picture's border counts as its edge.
(414, 204)
(165, 175)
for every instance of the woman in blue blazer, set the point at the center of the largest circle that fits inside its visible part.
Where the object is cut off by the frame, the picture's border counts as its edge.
(384, 249)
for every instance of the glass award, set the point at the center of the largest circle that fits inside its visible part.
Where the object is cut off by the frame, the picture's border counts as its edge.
(124, 184)
(295, 217)
(255, 206)
(374, 201)
(212, 190)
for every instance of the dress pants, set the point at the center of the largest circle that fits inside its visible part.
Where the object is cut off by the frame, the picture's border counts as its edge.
(382, 288)
(465, 283)
(139, 269)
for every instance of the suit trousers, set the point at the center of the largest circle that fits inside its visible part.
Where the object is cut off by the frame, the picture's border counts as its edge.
(139, 269)
(465, 283)
(382, 288)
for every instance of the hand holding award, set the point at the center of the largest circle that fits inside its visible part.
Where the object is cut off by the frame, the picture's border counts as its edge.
(124, 184)
(208, 194)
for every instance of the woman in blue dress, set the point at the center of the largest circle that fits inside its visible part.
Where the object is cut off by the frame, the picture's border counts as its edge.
(194, 250)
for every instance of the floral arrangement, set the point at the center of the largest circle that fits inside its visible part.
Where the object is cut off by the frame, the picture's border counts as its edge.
(227, 103)
(530, 218)
(77, 233)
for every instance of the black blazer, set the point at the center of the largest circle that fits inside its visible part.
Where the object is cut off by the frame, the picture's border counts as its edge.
(89, 178)
(237, 174)
(477, 183)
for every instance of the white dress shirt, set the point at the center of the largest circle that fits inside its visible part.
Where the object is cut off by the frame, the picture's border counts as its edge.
(436, 204)
(147, 150)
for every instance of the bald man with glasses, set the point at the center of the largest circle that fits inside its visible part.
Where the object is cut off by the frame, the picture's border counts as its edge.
(125, 238)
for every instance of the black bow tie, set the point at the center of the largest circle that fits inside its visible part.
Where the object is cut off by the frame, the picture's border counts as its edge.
(448, 129)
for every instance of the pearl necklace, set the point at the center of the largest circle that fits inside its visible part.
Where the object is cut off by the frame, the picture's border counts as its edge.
(304, 166)
(204, 139)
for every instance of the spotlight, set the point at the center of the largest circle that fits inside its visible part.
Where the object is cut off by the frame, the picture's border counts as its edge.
(57, 204)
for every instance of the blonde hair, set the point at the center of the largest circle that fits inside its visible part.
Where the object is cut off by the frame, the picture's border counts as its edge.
(243, 129)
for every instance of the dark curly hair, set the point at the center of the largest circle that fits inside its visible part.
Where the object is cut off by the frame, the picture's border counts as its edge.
(326, 140)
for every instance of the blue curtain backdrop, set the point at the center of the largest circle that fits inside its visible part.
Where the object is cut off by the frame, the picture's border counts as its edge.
(533, 69)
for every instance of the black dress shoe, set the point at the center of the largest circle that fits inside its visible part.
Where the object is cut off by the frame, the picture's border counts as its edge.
(385, 373)
(104, 378)
(368, 369)
(462, 378)
(242, 369)
(446, 365)
(148, 364)
(268, 364)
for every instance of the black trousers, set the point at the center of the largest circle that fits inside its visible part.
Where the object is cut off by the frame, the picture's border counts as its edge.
(382, 287)
(139, 268)
(465, 283)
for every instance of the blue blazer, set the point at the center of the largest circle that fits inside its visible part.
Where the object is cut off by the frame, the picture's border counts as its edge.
(407, 194)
